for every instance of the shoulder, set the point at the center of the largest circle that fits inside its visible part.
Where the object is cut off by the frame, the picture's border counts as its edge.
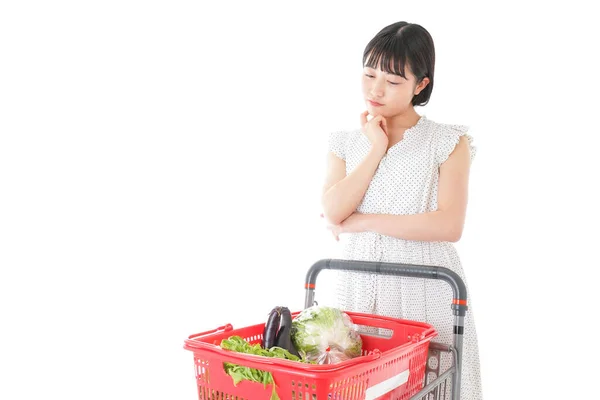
(447, 136)
(344, 134)
(340, 140)
(442, 130)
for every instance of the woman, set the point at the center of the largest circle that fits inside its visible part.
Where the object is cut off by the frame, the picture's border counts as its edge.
(397, 191)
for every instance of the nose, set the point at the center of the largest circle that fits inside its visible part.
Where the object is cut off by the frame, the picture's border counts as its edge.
(377, 88)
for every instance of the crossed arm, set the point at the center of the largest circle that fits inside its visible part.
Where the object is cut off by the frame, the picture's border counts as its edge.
(444, 224)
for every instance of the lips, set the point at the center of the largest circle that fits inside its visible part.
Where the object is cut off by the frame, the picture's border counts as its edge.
(375, 104)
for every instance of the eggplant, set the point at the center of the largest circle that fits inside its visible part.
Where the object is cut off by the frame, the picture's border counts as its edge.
(271, 328)
(284, 336)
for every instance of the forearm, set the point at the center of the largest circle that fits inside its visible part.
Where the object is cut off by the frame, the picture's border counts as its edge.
(435, 226)
(342, 199)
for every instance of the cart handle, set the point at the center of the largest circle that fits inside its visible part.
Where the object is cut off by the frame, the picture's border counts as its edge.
(459, 303)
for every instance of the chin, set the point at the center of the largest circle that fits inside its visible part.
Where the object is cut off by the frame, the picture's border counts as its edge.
(374, 111)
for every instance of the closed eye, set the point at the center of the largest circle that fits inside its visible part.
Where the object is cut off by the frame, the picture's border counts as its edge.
(392, 83)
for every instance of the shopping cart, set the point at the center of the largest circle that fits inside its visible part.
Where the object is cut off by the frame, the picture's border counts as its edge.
(399, 362)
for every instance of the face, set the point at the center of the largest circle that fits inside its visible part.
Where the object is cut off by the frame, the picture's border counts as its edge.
(392, 92)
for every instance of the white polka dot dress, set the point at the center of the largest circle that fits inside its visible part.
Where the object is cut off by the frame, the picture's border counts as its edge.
(406, 183)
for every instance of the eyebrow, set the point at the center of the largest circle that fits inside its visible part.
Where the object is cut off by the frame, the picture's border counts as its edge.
(389, 73)
(385, 72)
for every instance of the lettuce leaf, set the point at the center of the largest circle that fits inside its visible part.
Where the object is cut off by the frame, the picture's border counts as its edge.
(239, 373)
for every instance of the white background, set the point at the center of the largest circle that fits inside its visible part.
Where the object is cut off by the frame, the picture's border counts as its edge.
(161, 166)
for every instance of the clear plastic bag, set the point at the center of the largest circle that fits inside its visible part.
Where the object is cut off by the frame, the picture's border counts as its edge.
(332, 356)
(326, 335)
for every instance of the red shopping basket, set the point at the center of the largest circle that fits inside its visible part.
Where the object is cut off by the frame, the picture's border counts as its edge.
(390, 367)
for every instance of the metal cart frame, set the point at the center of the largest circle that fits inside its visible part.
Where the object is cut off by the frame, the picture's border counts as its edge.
(437, 387)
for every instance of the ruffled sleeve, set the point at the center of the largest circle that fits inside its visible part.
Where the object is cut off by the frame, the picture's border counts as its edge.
(337, 143)
(448, 138)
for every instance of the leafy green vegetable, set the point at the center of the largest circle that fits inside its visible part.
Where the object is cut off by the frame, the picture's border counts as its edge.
(239, 373)
(319, 328)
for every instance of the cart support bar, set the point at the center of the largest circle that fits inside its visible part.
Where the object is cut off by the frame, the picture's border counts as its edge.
(415, 271)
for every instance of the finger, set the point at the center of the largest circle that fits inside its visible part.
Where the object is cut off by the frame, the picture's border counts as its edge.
(322, 216)
(363, 118)
(334, 235)
(384, 125)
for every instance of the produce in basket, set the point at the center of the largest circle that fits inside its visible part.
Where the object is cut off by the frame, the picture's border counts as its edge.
(239, 373)
(325, 335)
(332, 356)
(284, 336)
(271, 328)
(277, 330)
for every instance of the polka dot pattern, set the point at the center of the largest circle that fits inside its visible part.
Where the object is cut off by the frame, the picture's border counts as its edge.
(406, 182)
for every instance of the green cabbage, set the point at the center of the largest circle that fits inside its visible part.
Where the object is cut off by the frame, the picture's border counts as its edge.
(319, 329)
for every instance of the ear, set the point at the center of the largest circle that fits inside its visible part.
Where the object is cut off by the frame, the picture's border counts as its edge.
(422, 85)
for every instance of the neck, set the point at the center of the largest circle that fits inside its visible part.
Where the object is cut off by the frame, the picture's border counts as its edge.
(397, 124)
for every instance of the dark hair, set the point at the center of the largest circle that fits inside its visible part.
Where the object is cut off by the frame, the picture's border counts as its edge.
(402, 43)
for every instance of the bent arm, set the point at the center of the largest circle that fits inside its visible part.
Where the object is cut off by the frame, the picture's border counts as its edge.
(435, 226)
(343, 193)
(444, 224)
